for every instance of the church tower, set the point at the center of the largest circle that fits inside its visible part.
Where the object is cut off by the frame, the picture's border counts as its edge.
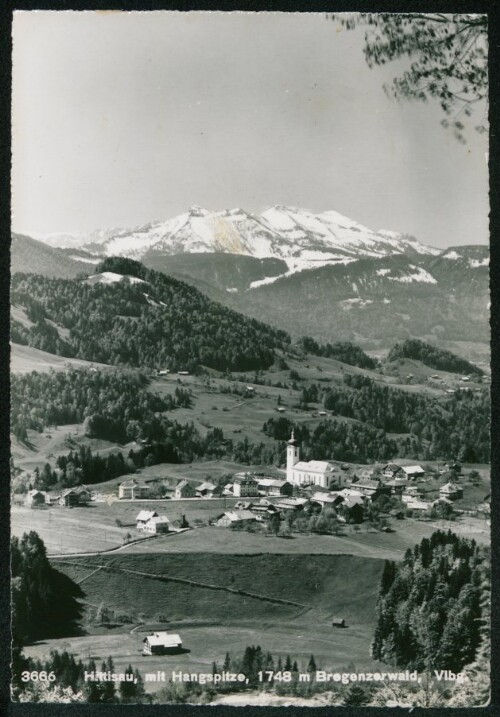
(292, 457)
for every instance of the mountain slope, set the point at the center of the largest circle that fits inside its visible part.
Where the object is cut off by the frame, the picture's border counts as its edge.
(380, 300)
(31, 256)
(298, 237)
(129, 315)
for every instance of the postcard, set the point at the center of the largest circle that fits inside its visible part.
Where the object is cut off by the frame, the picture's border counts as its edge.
(250, 356)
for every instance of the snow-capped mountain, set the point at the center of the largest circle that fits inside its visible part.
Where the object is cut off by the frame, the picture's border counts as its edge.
(302, 239)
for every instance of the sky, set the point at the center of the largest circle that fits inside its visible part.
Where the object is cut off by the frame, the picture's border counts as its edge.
(120, 119)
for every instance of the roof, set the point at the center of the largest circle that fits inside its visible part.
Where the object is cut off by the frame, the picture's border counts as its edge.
(68, 491)
(133, 484)
(163, 639)
(206, 486)
(397, 482)
(392, 466)
(313, 466)
(413, 469)
(244, 479)
(338, 621)
(237, 515)
(271, 482)
(182, 483)
(36, 492)
(293, 501)
(324, 497)
(353, 500)
(418, 505)
(450, 488)
(367, 483)
(159, 519)
(146, 515)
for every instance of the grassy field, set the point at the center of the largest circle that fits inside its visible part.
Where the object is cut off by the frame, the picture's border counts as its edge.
(214, 621)
(24, 359)
(333, 649)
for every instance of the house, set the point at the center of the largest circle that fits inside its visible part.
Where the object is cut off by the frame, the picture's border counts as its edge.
(184, 489)
(421, 505)
(35, 497)
(244, 486)
(338, 622)
(301, 473)
(327, 499)
(370, 488)
(143, 517)
(397, 486)
(351, 510)
(161, 643)
(452, 491)
(205, 490)
(157, 524)
(390, 470)
(292, 503)
(83, 496)
(265, 510)
(411, 493)
(413, 472)
(235, 517)
(72, 497)
(132, 490)
(274, 486)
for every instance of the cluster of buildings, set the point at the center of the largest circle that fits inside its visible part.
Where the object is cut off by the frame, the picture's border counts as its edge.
(69, 498)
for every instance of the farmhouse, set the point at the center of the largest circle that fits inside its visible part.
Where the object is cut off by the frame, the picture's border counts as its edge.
(327, 499)
(184, 489)
(351, 510)
(413, 472)
(235, 517)
(244, 486)
(292, 503)
(421, 505)
(390, 470)
(396, 486)
(299, 472)
(157, 524)
(452, 491)
(143, 517)
(368, 487)
(35, 497)
(205, 490)
(273, 486)
(161, 643)
(132, 489)
(74, 496)
(412, 493)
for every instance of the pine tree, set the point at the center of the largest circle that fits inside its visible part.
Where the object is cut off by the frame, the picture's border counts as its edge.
(311, 666)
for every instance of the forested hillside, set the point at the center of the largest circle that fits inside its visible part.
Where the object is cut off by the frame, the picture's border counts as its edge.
(430, 606)
(432, 356)
(146, 320)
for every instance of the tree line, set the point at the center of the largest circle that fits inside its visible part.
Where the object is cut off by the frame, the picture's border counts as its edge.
(429, 608)
(432, 356)
(156, 322)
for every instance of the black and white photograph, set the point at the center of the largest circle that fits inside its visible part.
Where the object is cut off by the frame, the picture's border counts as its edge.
(250, 359)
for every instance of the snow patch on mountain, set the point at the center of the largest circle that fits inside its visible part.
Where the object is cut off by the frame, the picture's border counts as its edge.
(479, 262)
(110, 277)
(302, 239)
(417, 274)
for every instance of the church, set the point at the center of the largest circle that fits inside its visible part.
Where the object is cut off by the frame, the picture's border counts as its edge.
(303, 473)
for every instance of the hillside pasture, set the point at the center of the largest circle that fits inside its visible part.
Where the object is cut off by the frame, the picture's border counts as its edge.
(24, 359)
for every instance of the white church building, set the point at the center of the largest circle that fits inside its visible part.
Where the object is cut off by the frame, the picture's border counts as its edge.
(302, 473)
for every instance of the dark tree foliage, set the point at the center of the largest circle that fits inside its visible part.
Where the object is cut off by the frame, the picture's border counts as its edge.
(44, 601)
(341, 350)
(430, 606)
(433, 357)
(149, 320)
(448, 55)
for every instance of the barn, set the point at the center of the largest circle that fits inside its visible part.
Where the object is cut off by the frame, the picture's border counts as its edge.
(161, 643)
(338, 622)
(35, 497)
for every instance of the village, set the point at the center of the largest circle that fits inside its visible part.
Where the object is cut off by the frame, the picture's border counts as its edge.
(307, 496)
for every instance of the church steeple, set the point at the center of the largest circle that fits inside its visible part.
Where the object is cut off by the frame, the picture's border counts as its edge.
(292, 456)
